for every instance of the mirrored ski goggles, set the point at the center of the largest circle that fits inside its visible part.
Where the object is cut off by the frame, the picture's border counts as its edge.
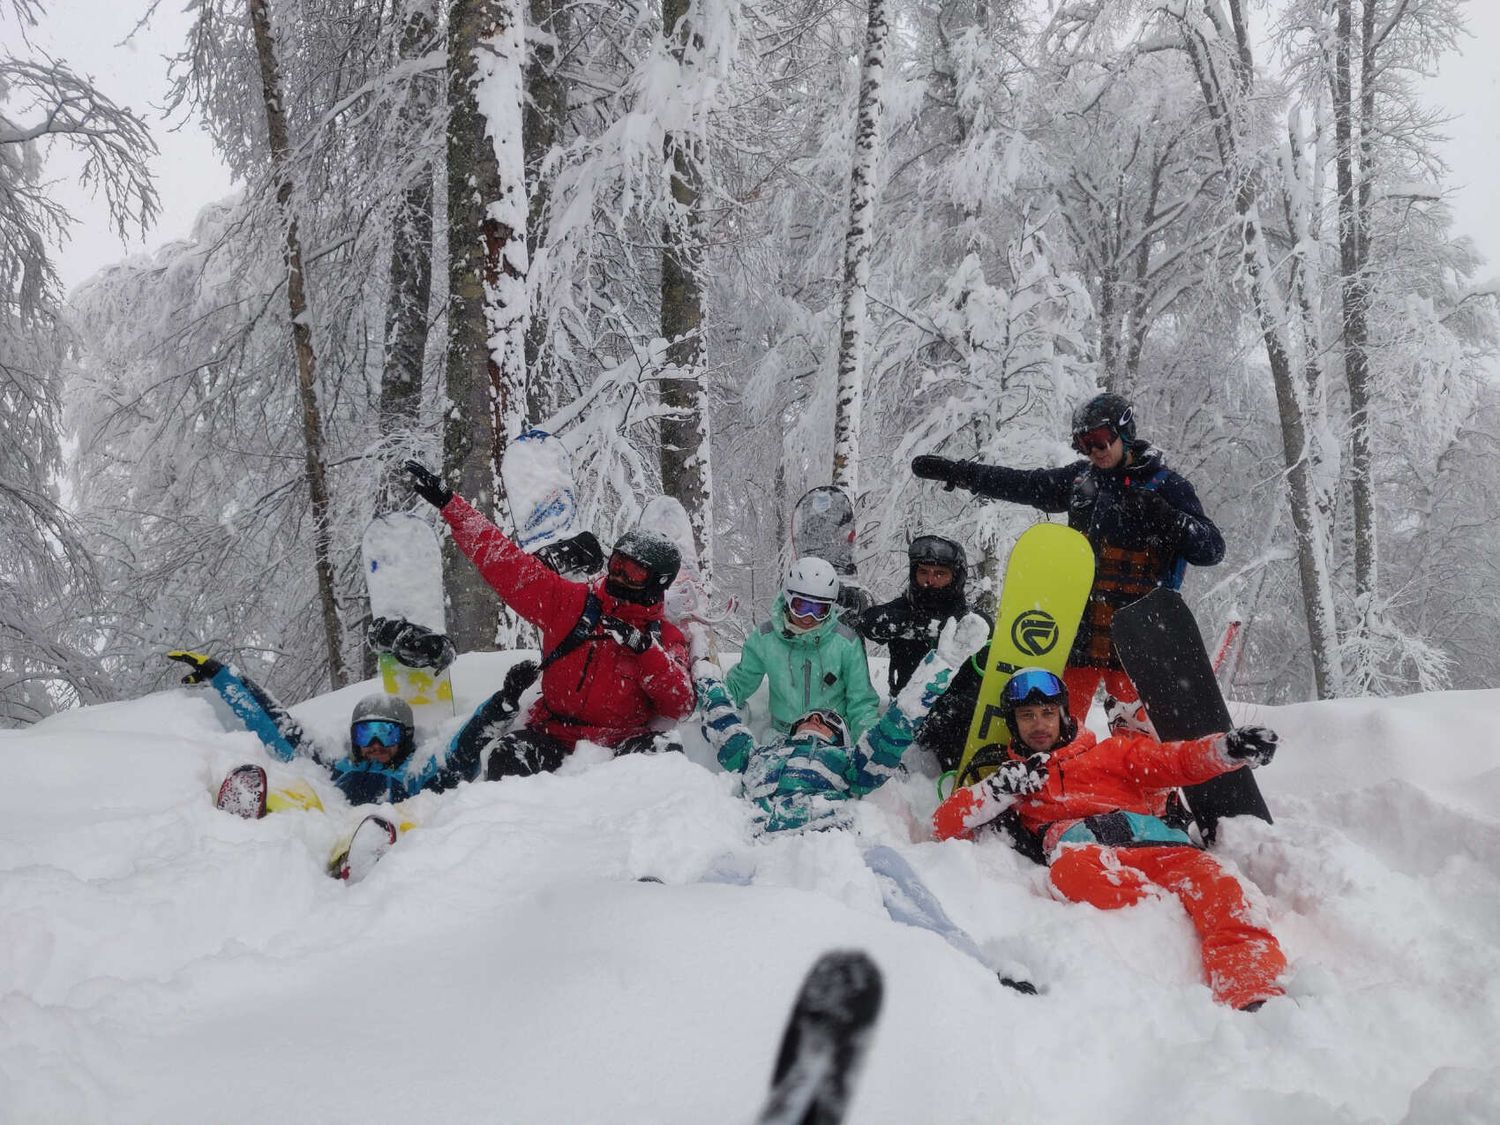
(807, 607)
(933, 549)
(1100, 437)
(628, 570)
(1033, 685)
(367, 732)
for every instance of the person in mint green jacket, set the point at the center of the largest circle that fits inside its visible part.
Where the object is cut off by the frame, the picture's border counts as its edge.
(811, 659)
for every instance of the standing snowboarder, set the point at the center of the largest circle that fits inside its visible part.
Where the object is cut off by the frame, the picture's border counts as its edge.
(611, 664)
(1144, 521)
(1093, 811)
(812, 659)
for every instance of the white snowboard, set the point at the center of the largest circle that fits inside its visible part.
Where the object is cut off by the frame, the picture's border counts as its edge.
(404, 575)
(538, 477)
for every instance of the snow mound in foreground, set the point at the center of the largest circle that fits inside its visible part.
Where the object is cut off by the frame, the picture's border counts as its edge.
(164, 962)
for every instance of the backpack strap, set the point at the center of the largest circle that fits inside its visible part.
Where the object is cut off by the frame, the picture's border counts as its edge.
(582, 630)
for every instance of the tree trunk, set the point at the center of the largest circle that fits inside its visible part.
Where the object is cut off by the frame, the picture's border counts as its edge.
(685, 465)
(302, 343)
(410, 295)
(858, 244)
(487, 283)
(546, 113)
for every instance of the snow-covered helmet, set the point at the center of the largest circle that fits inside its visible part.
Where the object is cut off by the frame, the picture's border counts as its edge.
(1110, 410)
(830, 719)
(935, 550)
(812, 577)
(1037, 685)
(642, 566)
(381, 718)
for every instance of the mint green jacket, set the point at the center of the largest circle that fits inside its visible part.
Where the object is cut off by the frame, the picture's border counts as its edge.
(821, 668)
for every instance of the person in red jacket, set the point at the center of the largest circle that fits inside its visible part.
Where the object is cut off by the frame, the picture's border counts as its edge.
(1094, 812)
(611, 663)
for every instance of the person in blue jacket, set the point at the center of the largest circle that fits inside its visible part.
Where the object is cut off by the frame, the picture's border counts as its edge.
(380, 763)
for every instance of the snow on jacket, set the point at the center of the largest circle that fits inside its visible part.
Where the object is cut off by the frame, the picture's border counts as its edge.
(1112, 792)
(797, 783)
(825, 667)
(1129, 558)
(909, 631)
(362, 781)
(600, 690)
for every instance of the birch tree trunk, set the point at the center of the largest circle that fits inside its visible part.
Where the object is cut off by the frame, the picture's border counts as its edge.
(546, 113)
(302, 343)
(685, 466)
(487, 283)
(858, 243)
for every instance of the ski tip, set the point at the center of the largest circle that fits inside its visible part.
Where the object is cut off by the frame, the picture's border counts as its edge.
(843, 986)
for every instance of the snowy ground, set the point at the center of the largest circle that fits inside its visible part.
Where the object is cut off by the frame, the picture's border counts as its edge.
(164, 962)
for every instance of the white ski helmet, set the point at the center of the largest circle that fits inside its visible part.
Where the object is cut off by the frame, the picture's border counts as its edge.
(811, 577)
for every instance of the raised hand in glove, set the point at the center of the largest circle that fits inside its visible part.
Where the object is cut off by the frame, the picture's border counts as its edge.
(1018, 779)
(203, 667)
(961, 638)
(636, 640)
(950, 472)
(1255, 746)
(427, 484)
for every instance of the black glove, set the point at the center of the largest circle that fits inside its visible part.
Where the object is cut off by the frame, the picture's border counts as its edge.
(414, 645)
(203, 667)
(1152, 517)
(636, 640)
(951, 473)
(1254, 746)
(1018, 779)
(427, 484)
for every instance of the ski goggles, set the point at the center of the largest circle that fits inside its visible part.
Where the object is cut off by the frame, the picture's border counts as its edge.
(627, 570)
(824, 725)
(367, 732)
(799, 606)
(1032, 685)
(934, 549)
(1100, 437)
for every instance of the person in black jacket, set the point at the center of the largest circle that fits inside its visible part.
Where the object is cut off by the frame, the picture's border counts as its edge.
(909, 625)
(1143, 519)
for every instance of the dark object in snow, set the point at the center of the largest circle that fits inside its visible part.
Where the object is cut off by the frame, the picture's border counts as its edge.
(243, 792)
(823, 526)
(1158, 642)
(414, 645)
(371, 840)
(824, 1043)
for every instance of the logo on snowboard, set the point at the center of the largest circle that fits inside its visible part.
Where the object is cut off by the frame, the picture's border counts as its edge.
(1034, 632)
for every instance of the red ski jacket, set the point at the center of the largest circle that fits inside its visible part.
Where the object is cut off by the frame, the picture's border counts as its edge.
(1128, 773)
(600, 690)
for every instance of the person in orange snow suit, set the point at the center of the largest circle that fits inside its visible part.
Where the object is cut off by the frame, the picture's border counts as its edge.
(611, 663)
(1093, 811)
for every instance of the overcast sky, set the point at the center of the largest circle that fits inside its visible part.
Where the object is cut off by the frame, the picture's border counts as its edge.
(89, 34)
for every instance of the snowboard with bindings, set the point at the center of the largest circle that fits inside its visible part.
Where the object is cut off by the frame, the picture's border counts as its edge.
(356, 857)
(1047, 581)
(1157, 641)
(823, 526)
(823, 1046)
(538, 476)
(404, 575)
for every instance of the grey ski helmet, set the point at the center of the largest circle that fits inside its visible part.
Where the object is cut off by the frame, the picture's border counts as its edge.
(1109, 410)
(386, 708)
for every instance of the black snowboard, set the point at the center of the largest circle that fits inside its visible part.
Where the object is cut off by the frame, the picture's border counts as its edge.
(824, 1042)
(823, 525)
(1158, 642)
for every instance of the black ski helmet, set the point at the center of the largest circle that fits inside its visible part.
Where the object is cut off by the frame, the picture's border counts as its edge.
(391, 708)
(830, 719)
(1106, 410)
(934, 549)
(657, 554)
(1037, 685)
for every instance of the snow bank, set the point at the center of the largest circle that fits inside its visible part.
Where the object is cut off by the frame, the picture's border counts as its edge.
(164, 962)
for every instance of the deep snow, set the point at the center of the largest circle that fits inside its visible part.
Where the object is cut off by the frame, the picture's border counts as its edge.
(164, 962)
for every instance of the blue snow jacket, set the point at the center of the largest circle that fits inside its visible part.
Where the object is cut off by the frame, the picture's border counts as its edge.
(361, 781)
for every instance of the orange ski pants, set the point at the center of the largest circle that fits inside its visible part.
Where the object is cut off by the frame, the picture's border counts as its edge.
(1241, 958)
(1082, 682)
